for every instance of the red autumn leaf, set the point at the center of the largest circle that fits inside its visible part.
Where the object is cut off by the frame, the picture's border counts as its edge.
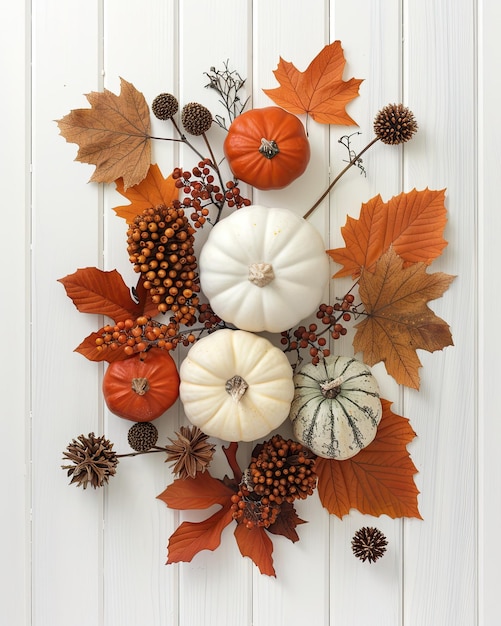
(398, 320)
(88, 348)
(150, 192)
(256, 544)
(200, 492)
(105, 293)
(286, 522)
(192, 537)
(113, 135)
(379, 480)
(413, 223)
(320, 90)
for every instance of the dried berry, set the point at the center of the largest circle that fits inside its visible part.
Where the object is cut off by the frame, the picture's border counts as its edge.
(164, 106)
(196, 118)
(142, 436)
(395, 124)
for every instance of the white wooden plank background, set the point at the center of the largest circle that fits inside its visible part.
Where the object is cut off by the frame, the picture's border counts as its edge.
(97, 558)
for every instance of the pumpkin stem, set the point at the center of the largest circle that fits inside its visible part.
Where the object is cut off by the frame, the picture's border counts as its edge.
(261, 274)
(236, 387)
(140, 386)
(268, 148)
(331, 388)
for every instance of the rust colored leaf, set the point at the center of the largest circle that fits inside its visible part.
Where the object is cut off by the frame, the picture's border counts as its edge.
(399, 321)
(200, 492)
(113, 135)
(286, 522)
(192, 537)
(103, 293)
(320, 90)
(150, 192)
(90, 351)
(413, 223)
(256, 544)
(379, 480)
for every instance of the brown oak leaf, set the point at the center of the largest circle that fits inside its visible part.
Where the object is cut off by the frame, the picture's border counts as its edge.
(320, 90)
(150, 192)
(113, 135)
(413, 223)
(379, 480)
(398, 320)
(286, 522)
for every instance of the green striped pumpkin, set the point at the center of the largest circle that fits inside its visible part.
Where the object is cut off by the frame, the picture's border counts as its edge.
(336, 407)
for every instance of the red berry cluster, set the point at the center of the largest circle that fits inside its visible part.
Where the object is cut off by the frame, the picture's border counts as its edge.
(201, 192)
(143, 333)
(281, 471)
(314, 340)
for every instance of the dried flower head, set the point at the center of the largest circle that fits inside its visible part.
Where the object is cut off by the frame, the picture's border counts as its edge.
(191, 452)
(142, 436)
(395, 124)
(93, 460)
(165, 106)
(196, 118)
(368, 544)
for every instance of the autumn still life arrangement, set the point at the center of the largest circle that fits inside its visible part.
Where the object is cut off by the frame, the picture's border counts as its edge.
(259, 270)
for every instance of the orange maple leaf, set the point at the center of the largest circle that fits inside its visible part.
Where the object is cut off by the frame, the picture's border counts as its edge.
(113, 135)
(412, 223)
(320, 90)
(398, 321)
(379, 480)
(150, 192)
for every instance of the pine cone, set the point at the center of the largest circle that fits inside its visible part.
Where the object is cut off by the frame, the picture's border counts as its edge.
(395, 124)
(142, 436)
(190, 452)
(368, 544)
(165, 106)
(196, 118)
(93, 461)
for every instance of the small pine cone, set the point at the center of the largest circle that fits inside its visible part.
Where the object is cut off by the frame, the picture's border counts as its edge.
(142, 436)
(368, 544)
(395, 124)
(165, 106)
(196, 118)
(93, 461)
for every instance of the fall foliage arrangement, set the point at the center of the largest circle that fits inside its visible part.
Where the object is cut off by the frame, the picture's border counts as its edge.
(259, 271)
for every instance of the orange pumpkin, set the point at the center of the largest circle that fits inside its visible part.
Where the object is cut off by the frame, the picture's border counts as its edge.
(267, 148)
(142, 387)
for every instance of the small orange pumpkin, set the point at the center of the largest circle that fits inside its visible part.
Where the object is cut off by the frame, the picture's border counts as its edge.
(142, 387)
(267, 148)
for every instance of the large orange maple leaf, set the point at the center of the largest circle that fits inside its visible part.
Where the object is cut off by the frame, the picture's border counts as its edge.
(320, 90)
(150, 192)
(398, 320)
(413, 223)
(113, 135)
(379, 479)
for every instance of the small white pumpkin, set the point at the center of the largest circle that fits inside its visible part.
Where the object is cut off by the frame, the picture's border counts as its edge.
(264, 269)
(336, 408)
(235, 385)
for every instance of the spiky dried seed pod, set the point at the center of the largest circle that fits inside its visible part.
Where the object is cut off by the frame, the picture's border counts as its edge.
(93, 460)
(164, 106)
(196, 118)
(142, 436)
(191, 452)
(368, 544)
(395, 124)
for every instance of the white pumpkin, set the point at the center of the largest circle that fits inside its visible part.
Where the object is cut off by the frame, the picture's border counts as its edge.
(264, 269)
(336, 408)
(235, 385)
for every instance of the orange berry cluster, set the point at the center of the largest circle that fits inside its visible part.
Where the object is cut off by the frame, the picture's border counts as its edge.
(201, 191)
(160, 244)
(310, 338)
(282, 471)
